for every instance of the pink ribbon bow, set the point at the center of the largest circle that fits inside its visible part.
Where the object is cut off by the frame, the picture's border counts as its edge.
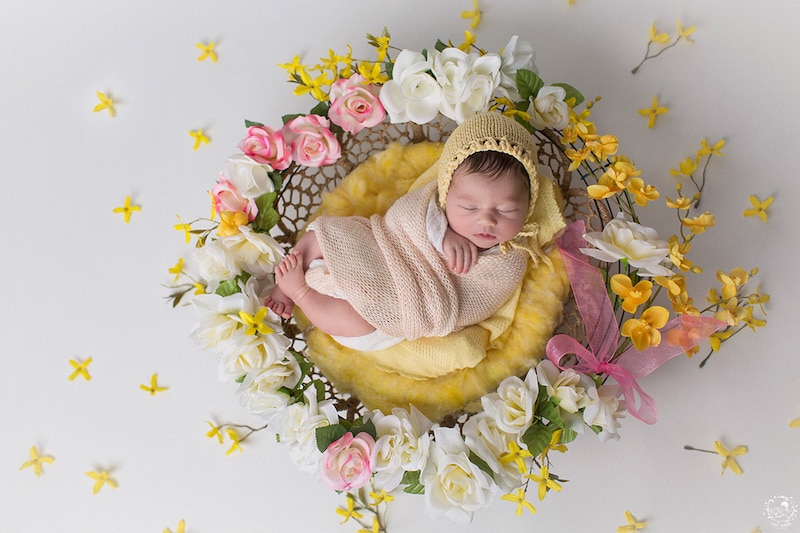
(602, 333)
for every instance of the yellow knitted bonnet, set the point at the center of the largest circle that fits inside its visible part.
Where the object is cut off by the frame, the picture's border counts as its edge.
(494, 131)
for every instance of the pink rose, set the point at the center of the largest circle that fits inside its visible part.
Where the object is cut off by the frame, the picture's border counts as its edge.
(266, 146)
(354, 105)
(346, 463)
(227, 198)
(311, 140)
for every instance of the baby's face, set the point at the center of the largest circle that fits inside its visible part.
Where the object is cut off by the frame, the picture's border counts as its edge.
(486, 211)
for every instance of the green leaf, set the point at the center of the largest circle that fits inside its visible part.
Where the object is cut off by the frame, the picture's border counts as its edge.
(231, 286)
(329, 434)
(440, 45)
(267, 217)
(367, 427)
(320, 109)
(537, 437)
(250, 123)
(480, 463)
(411, 480)
(572, 92)
(290, 117)
(528, 83)
(388, 67)
(277, 179)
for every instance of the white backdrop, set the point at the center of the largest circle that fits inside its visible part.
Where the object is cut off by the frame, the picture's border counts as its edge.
(80, 283)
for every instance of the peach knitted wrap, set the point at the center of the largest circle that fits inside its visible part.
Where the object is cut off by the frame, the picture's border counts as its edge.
(388, 270)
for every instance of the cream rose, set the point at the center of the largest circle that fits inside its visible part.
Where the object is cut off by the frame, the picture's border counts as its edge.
(402, 445)
(514, 403)
(250, 177)
(549, 110)
(259, 392)
(454, 487)
(412, 95)
(516, 55)
(574, 391)
(468, 81)
(483, 436)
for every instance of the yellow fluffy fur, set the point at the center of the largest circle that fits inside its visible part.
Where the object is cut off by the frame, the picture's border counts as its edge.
(508, 343)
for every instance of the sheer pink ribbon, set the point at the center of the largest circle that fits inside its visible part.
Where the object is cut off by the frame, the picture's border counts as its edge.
(602, 333)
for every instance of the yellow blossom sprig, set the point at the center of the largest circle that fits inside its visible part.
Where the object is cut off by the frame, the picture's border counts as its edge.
(734, 306)
(37, 461)
(366, 500)
(221, 431)
(661, 38)
(689, 166)
(518, 497)
(728, 456)
(633, 524)
(101, 478)
(759, 208)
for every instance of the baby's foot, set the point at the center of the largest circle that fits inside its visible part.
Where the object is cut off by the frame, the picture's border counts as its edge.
(290, 276)
(279, 303)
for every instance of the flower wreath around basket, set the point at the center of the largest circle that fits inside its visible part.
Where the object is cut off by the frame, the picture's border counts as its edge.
(613, 330)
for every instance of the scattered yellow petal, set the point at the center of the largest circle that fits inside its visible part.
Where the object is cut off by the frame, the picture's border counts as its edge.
(199, 138)
(81, 369)
(153, 388)
(101, 478)
(795, 423)
(728, 457)
(208, 51)
(36, 461)
(127, 209)
(633, 524)
(475, 15)
(652, 112)
(181, 528)
(759, 208)
(105, 103)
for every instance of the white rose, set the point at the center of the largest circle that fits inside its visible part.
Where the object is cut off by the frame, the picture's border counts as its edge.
(250, 177)
(483, 436)
(513, 404)
(218, 324)
(412, 94)
(606, 412)
(214, 262)
(259, 392)
(297, 425)
(253, 252)
(623, 239)
(573, 390)
(516, 55)
(454, 486)
(402, 445)
(549, 110)
(468, 81)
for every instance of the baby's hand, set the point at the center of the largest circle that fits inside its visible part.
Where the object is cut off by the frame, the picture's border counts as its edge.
(461, 254)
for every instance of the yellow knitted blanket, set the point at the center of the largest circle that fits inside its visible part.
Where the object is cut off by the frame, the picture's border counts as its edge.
(440, 376)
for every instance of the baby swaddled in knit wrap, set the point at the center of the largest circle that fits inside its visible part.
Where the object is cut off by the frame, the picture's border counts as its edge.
(396, 272)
